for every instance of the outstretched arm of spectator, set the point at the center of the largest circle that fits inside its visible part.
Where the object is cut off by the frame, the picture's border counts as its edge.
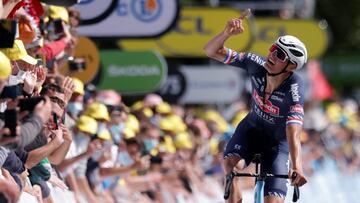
(36, 155)
(33, 125)
(92, 147)
(58, 155)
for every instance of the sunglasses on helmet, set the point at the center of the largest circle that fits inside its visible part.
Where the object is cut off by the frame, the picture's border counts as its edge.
(279, 53)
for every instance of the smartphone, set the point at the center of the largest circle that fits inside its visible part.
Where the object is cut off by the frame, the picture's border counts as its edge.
(8, 30)
(11, 92)
(11, 121)
(29, 103)
(55, 120)
(58, 26)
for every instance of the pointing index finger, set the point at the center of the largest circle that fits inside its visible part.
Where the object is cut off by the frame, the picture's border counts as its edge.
(245, 14)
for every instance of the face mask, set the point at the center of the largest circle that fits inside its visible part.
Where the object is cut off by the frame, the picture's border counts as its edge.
(116, 131)
(150, 144)
(124, 158)
(96, 156)
(74, 108)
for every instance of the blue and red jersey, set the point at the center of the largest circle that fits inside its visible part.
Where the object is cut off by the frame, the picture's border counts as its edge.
(285, 104)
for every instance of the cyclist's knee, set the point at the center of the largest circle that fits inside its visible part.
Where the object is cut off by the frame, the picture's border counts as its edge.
(274, 199)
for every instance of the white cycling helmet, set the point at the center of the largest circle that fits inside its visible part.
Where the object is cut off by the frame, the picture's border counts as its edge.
(294, 48)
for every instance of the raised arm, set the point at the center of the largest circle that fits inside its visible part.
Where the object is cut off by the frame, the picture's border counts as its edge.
(215, 47)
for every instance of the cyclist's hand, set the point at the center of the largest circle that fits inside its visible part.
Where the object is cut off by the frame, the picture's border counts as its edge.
(234, 26)
(297, 177)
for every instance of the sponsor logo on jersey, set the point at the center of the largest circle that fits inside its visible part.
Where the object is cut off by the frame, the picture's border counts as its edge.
(294, 89)
(279, 93)
(268, 107)
(264, 116)
(241, 56)
(276, 98)
(255, 82)
(297, 109)
(256, 59)
(234, 57)
(258, 79)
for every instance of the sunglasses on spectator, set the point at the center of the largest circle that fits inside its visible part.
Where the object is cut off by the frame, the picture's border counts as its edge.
(279, 53)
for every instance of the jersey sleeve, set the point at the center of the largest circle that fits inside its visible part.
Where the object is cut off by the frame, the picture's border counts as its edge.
(296, 105)
(250, 62)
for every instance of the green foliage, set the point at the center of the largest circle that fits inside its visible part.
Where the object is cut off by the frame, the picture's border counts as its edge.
(343, 18)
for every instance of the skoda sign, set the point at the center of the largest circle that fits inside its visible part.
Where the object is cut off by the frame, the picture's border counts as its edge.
(132, 72)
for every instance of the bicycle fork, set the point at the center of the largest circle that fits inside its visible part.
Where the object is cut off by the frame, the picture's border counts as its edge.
(259, 191)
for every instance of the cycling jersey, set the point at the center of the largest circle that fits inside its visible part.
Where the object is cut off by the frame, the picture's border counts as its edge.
(263, 130)
(285, 104)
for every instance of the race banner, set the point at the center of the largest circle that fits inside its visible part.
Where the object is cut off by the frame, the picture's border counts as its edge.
(310, 32)
(221, 84)
(127, 18)
(195, 27)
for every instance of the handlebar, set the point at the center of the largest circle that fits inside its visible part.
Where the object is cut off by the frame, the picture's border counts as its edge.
(230, 177)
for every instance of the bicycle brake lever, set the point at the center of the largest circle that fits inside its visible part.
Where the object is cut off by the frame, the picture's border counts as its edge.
(228, 182)
(296, 194)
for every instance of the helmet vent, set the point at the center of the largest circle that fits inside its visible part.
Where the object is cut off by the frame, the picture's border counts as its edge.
(287, 45)
(296, 52)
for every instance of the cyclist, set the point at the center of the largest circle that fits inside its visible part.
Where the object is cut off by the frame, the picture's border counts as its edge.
(273, 126)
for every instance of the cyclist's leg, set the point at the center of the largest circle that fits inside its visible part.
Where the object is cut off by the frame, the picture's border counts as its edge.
(235, 156)
(229, 164)
(276, 188)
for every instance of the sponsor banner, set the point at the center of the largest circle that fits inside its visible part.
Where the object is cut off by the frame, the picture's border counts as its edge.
(174, 86)
(127, 18)
(215, 84)
(195, 27)
(87, 50)
(132, 72)
(308, 31)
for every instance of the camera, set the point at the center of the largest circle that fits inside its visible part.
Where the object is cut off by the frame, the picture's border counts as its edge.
(8, 30)
(29, 103)
(76, 64)
(11, 121)
(58, 26)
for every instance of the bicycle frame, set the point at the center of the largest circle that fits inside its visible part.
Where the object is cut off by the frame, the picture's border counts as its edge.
(259, 191)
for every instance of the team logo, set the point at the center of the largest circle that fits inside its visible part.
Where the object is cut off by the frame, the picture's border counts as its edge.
(268, 107)
(274, 97)
(297, 108)
(146, 10)
(295, 92)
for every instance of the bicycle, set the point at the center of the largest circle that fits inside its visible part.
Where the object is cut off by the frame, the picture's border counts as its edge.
(259, 181)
